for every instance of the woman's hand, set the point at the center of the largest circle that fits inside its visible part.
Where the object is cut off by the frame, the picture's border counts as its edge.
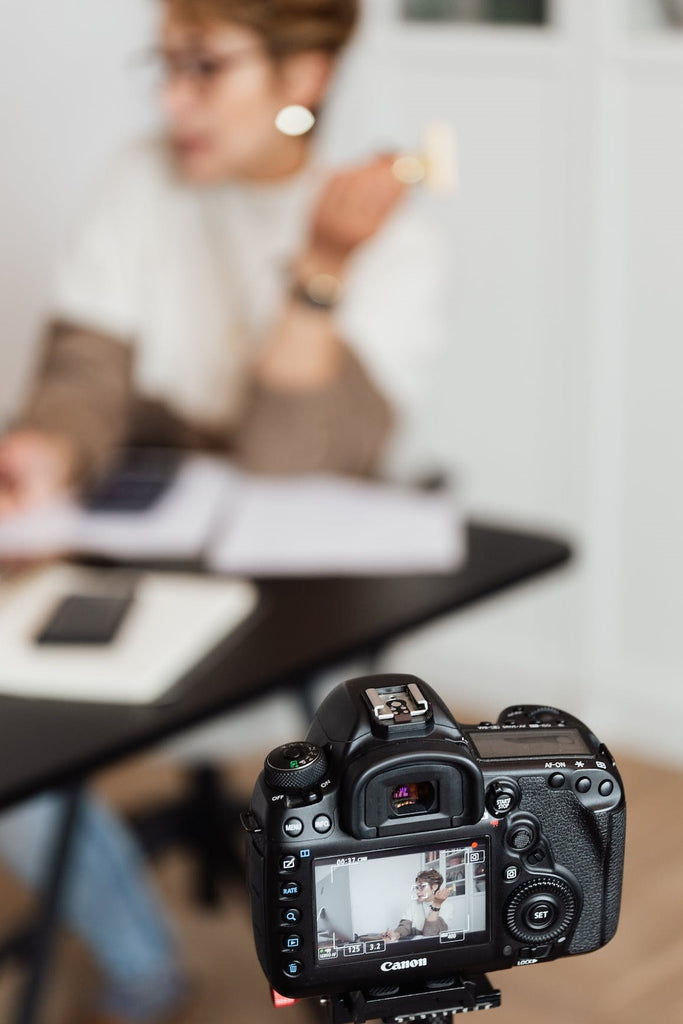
(390, 935)
(303, 352)
(352, 208)
(440, 897)
(34, 467)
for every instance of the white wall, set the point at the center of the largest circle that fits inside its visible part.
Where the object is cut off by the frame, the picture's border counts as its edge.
(557, 401)
(381, 892)
(71, 90)
(561, 395)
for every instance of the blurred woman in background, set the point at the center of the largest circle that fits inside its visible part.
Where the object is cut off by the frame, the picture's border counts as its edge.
(225, 292)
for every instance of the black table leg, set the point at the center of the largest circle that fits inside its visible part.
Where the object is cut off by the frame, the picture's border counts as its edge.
(49, 913)
(205, 822)
(216, 833)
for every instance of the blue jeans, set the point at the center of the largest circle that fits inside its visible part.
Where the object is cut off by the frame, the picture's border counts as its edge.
(107, 901)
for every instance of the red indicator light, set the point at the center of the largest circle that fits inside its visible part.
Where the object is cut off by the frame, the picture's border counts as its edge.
(475, 845)
(495, 823)
(280, 1001)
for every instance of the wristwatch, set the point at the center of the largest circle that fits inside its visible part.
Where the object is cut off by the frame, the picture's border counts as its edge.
(436, 910)
(320, 291)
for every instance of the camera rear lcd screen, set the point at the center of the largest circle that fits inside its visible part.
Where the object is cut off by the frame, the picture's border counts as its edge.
(381, 904)
(515, 743)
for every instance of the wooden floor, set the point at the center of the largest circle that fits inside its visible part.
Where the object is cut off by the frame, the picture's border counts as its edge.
(637, 978)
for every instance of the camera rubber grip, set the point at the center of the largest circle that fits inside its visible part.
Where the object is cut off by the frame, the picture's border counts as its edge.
(589, 845)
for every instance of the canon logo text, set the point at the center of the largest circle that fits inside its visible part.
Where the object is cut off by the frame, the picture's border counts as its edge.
(403, 965)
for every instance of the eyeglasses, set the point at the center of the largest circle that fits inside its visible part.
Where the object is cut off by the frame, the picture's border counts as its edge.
(422, 885)
(197, 66)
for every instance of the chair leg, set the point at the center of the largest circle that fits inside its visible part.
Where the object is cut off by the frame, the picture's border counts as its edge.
(205, 823)
(210, 841)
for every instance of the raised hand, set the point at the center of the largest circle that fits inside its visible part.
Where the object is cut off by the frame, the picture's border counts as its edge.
(353, 206)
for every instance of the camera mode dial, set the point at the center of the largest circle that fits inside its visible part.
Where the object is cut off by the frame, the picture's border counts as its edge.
(295, 766)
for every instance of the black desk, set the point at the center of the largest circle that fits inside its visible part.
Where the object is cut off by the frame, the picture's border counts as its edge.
(302, 626)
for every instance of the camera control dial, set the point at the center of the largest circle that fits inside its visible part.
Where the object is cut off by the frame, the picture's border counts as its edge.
(541, 909)
(294, 767)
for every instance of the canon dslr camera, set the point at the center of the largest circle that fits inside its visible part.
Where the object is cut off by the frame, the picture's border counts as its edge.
(395, 856)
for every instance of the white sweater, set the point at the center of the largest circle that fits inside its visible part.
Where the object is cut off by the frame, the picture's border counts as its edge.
(193, 277)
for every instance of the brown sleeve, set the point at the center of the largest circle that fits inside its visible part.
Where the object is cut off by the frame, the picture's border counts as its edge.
(434, 927)
(339, 429)
(405, 928)
(82, 392)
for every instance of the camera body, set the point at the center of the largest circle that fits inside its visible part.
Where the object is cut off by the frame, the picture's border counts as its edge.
(396, 845)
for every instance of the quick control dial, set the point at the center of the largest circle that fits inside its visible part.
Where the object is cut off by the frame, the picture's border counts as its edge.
(541, 910)
(294, 767)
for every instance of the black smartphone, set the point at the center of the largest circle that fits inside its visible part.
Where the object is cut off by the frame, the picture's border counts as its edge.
(81, 619)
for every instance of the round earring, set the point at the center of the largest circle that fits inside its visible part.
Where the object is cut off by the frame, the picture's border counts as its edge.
(294, 120)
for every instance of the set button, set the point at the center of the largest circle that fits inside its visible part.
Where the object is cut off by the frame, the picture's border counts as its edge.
(541, 914)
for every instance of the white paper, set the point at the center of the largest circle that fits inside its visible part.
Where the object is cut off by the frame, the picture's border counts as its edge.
(324, 525)
(174, 621)
(260, 526)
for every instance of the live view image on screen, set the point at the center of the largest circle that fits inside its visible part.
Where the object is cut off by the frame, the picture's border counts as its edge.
(385, 903)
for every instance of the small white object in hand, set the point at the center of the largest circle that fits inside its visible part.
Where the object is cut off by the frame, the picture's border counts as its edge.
(436, 166)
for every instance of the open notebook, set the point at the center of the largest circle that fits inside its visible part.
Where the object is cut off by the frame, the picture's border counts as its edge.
(173, 622)
(259, 525)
